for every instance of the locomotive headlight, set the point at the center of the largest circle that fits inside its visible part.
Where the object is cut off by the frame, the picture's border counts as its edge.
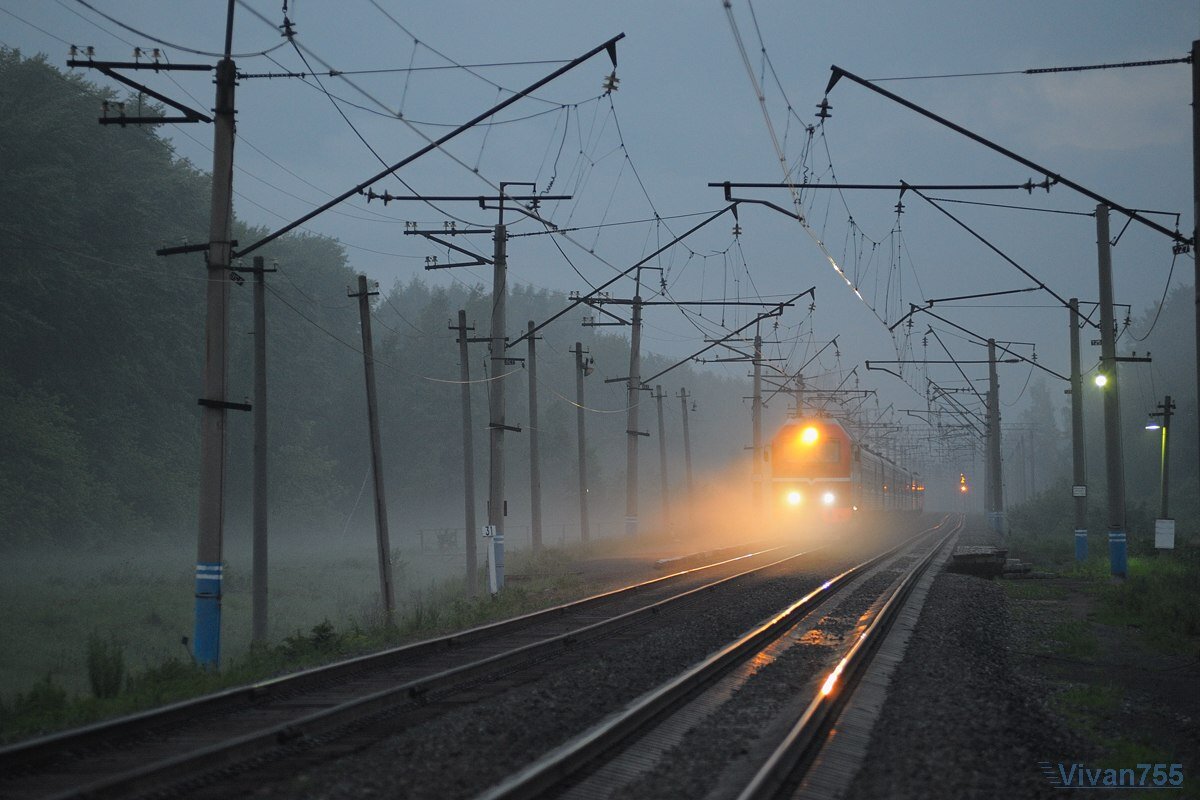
(793, 498)
(810, 435)
(828, 498)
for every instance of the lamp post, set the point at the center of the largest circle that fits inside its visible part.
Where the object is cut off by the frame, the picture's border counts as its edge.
(1164, 526)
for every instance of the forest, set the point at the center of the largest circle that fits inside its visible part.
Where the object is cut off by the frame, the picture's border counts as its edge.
(100, 358)
(100, 363)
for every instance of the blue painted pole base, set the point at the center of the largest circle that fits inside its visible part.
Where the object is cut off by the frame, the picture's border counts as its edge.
(206, 643)
(995, 521)
(1081, 545)
(1116, 553)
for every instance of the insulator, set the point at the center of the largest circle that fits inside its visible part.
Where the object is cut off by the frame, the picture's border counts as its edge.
(610, 82)
(137, 53)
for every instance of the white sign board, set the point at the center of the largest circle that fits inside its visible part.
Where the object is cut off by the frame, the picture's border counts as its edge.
(1164, 534)
(1078, 491)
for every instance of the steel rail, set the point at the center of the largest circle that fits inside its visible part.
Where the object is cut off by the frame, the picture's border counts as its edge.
(157, 775)
(103, 733)
(806, 738)
(549, 771)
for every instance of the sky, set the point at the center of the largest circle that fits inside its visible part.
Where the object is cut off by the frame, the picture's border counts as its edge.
(686, 112)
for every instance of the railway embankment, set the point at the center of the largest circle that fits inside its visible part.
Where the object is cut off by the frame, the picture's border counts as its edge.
(1006, 679)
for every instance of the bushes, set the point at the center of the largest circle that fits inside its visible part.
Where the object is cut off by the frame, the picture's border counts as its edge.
(105, 666)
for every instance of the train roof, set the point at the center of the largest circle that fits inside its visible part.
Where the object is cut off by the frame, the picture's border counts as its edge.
(833, 421)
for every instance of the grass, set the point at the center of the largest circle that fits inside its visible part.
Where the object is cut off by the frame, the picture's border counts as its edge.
(1091, 698)
(1155, 608)
(1074, 640)
(102, 637)
(1160, 595)
(1034, 590)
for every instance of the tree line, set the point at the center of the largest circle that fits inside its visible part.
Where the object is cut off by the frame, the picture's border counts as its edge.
(102, 347)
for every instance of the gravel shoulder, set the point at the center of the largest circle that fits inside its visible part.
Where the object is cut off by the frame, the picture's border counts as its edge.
(1003, 674)
(962, 719)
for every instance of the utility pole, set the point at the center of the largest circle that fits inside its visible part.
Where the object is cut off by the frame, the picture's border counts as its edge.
(496, 426)
(535, 479)
(1165, 411)
(468, 436)
(1078, 460)
(1030, 453)
(687, 444)
(662, 457)
(988, 483)
(209, 559)
(631, 415)
(497, 507)
(756, 425)
(258, 606)
(635, 381)
(582, 368)
(1196, 199)
(1114, 461)
(1164, 526)
(995, 467)
(383, 547)
(218, 256)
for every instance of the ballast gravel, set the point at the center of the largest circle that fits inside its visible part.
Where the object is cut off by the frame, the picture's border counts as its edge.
(712, 758)
(959, 721)
(479, 740)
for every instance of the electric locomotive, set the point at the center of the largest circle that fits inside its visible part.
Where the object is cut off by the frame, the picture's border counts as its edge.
(819, 472)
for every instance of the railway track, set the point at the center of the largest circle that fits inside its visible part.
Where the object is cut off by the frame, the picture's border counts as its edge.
(152, 751)
(637, 752)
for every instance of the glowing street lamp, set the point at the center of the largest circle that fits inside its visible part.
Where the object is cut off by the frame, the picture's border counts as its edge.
(1164, 526)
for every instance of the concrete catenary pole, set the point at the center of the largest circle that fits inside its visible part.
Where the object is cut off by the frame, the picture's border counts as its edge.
(1078, 456)
(988, 483)
(1196, 203)
(535, 478)
(209, 558)
(687, 445)
(496, 424)
(756, 426)
(581, 369)
(664, 484)
(1165, 473)
(383, 546)
(633, 398)
(468, 444)
(995, 459)
(1114, 461)
(258, 577)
